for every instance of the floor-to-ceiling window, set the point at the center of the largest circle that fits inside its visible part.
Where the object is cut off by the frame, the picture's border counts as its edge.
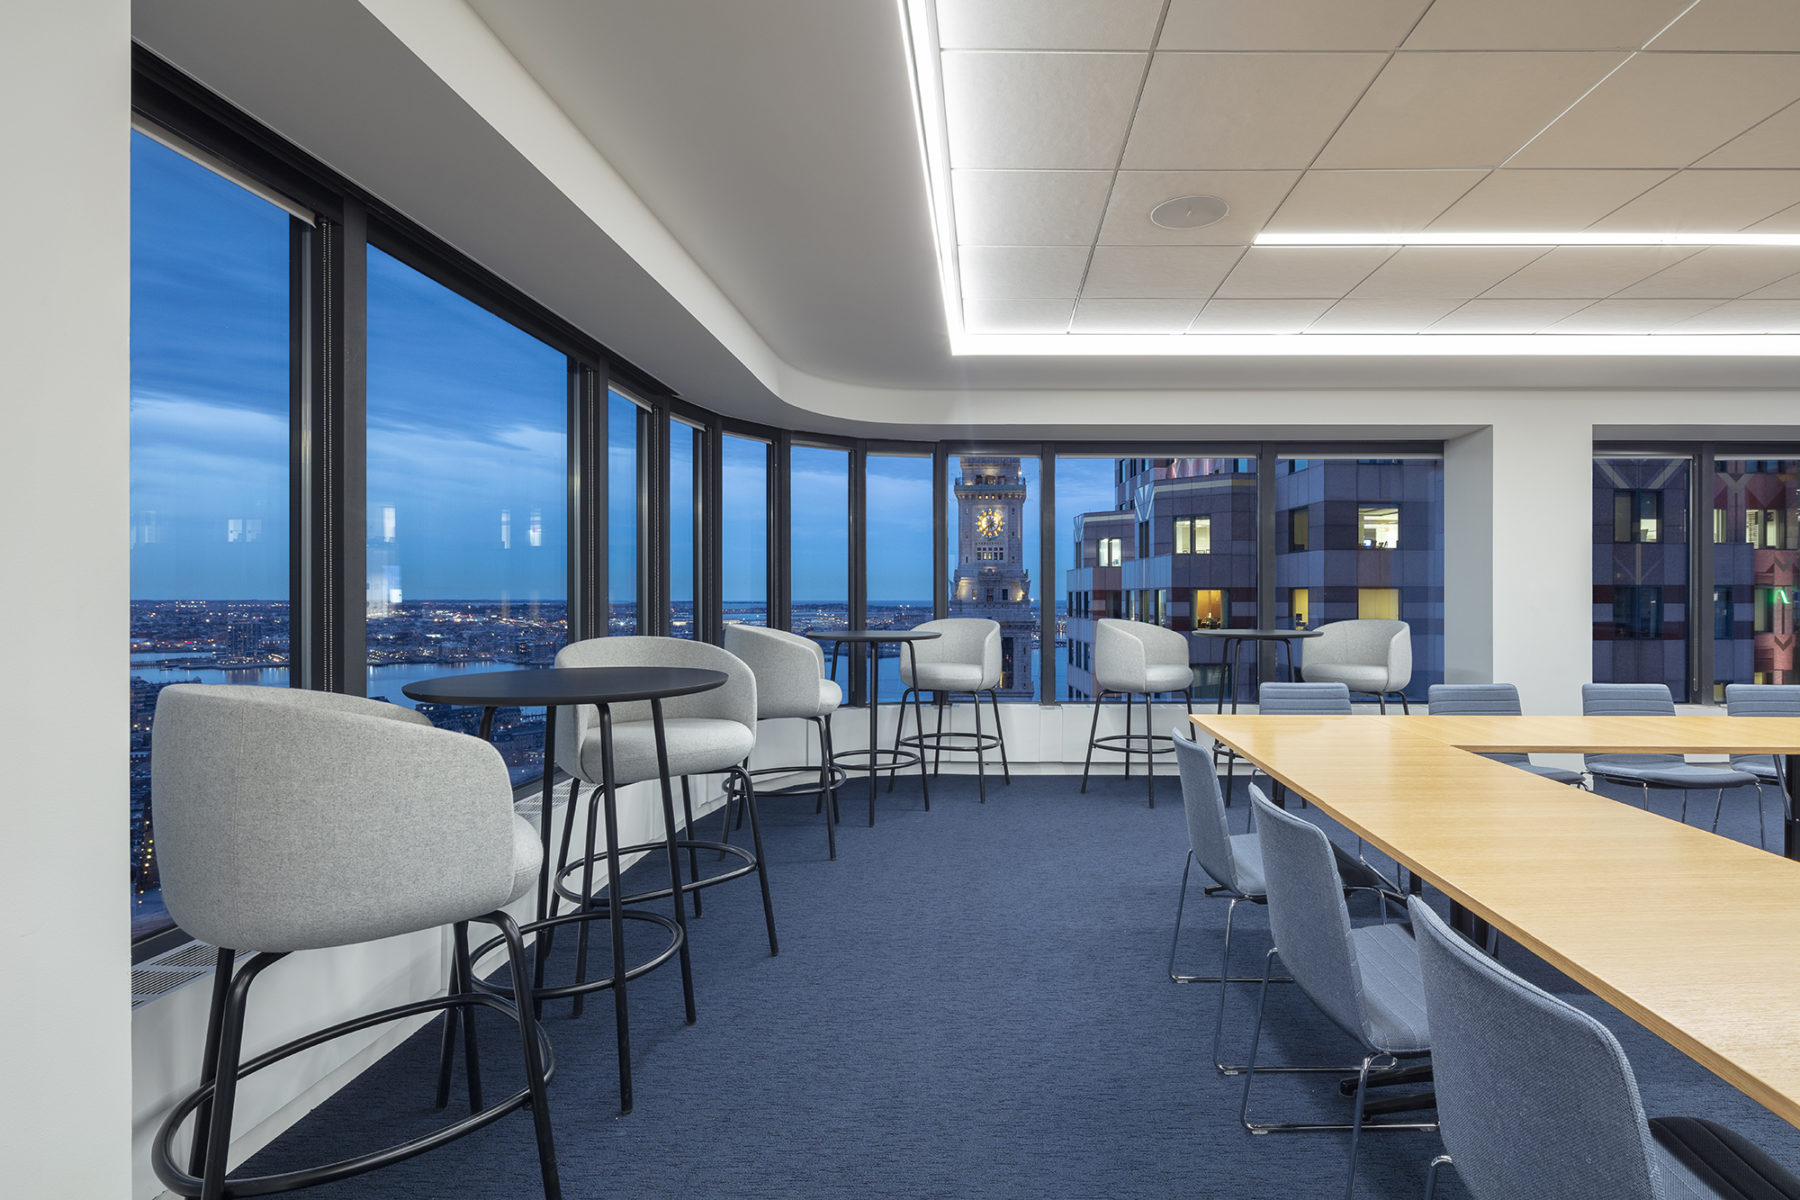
(467, 498)
(623, 513)
(898, 529)
(1756, 571)
(744, 529)
(993, 553)
(1093, 535)
(1641, 571)
(819, 537)
(209, 455)
(685, 447)
(1364, 538)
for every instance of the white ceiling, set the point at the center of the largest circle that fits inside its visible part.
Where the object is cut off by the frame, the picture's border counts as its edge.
(1067, 121)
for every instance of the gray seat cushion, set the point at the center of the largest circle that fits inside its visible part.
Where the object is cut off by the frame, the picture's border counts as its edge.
(1356, 678)
(1387, 959)
(1554, 774)
(1762, 767)
(1246, 855)
(697, 746)
(1684, 775)
(528, 857)
(1700, 1158)
(1168, 678)
(947, 677)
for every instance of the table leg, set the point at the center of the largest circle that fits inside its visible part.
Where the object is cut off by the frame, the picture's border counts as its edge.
(675, 893)
(874, 706)
(545, 813)
(614, 910)
(1236, 646)
(487, 724)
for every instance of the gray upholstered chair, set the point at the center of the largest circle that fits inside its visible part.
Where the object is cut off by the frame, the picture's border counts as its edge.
(791, 685)
(1132, 658)
(1365, 979)
(965, 658)
(1293, 700)
(1668, 772)
(1536, 1098)
(1494, 699)
(1762, 700)
(293, 820)
(1370, 655)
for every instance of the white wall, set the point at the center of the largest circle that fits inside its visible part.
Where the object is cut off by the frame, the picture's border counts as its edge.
(65, 1007)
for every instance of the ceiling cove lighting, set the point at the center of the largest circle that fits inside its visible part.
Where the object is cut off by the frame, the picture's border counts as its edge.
(919, 40)
(1533, 237)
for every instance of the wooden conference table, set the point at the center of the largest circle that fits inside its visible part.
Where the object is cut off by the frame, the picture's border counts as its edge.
(1690, 934)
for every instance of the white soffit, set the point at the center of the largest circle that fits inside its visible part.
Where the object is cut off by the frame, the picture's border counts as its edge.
(1051, 128)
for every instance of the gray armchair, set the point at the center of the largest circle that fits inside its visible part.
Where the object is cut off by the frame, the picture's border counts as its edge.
(1536, 1098)
(791, 684)
(1132, 658)
(1370, 655)
(293, 820)
(965, 657)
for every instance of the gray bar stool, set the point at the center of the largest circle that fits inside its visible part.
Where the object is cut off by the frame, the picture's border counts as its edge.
(1132, 658)
(791, 684)
(293, 820)
(963, 659)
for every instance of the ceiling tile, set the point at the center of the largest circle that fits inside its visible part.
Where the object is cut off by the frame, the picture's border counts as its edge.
(1258, 316)
(1444, 271)
(1028, 208)
(1047, 24)
(1707, 201)
(1781, 289)
(1021, 272)
(1542, 24)
(1382, 316)
(1278, 272)
(1243, 111)
(1133, 316)
(1666, 110)
(1785, 221)
(1592, 271)
(1774, 143)
(1746, 316)
(1252, 196)
(1017, 316)
(1630, 316)
(1460, 110)
(1158, 272)
(1561, 200)
(1385, 201)
(1064, 112)
(1721, 272)
(1289, 25)
(1507, 316)
(1735, 25)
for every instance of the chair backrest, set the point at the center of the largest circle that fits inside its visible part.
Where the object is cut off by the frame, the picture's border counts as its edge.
(970, 641)
(1209, 834)
(1365, 642)
(1308, 916)
(1478, 699)
(1534, 1097)
(787, 668)
(734, 701)
(1303, 700)
(1761, 700)
(290, 819)
(1628, 700)
(1124, 650)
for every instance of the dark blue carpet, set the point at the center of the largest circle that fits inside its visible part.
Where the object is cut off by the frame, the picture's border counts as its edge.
(968, 1002)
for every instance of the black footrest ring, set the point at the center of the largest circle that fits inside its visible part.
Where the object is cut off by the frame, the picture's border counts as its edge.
(565, 990)
(599, 903)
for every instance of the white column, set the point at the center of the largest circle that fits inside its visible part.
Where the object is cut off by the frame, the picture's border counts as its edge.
(1518, 555)
(65, 92)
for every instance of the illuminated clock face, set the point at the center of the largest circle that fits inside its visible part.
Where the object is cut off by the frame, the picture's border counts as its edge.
(989, 522)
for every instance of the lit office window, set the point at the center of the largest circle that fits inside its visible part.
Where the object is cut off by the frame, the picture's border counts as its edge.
(993, 544)
(1193, 535)
(467, 499)
(1365, 539)
(1756, 571)
(209, 455)
(744, 530)
(623, 516)
(819, 533)
(684, 452)
(898, 496)
(1641, 571)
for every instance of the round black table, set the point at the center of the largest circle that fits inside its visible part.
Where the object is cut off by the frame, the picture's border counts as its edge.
(602, 687)
(1234, 648)
(875, 760)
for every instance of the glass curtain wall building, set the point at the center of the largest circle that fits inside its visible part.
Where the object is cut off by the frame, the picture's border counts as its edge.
(1756, 571)
(1641, 571)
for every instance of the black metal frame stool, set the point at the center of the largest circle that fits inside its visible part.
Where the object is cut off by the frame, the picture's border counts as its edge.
(1132, 658)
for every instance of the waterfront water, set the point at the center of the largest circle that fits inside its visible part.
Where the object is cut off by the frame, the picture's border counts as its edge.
(384, 681)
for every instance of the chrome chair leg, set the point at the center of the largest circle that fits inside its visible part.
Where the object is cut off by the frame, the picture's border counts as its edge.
(1431, 1174)
(1250, 1068)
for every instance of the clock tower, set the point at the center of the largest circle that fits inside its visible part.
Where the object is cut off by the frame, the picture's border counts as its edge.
(991, 577)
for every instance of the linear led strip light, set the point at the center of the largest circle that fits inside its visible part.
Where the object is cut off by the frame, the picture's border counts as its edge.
(919, 36)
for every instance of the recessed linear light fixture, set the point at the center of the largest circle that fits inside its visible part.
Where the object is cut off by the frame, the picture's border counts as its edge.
(918, 36)
(1533, 237)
